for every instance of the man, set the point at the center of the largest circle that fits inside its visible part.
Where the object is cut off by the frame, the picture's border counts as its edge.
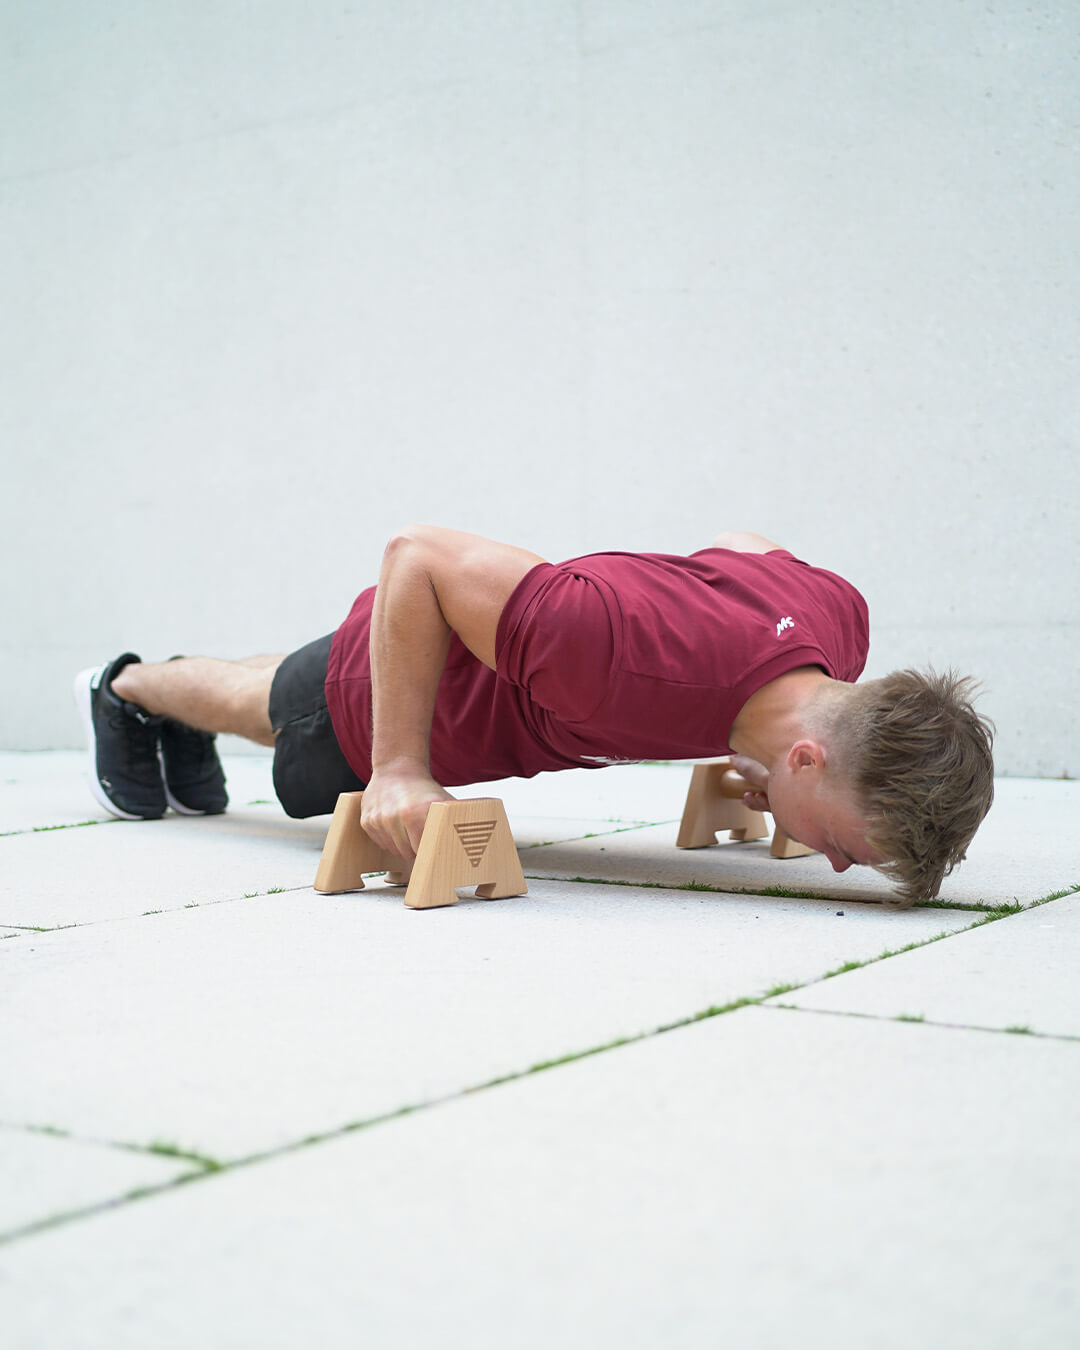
(474, 660)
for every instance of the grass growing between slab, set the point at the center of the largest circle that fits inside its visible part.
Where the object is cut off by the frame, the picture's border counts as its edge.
(48, 829)
(992, 915)
(158, 1148)
(770, 892)
(150, 913)
(991, 910)
(164, 1150)
(41, 928)
(995, 915)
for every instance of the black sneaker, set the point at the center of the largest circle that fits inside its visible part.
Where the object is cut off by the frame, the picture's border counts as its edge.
(194, 778)
(125, 772)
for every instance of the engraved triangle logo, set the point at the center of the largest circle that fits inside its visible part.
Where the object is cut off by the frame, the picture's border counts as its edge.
(474, 839)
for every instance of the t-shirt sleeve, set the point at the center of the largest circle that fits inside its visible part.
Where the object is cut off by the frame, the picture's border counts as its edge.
(558, 640)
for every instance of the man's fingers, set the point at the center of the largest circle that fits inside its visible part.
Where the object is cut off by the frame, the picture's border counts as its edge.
(414, 821)
(387, 831)
(401, 842)
(754, 772)
(402, 838)
(395, 820)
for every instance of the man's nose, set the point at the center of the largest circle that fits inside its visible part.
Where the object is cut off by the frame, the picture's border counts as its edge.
(839, 862)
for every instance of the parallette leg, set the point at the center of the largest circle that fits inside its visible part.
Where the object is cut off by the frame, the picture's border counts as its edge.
(348, 852)
(713, 802)
(464, 843)
(783, 846)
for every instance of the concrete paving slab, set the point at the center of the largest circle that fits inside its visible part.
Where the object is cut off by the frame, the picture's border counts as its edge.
(26, 766)
(42, 1175)
(44, 789)
(648, 856)
(120, 870)
(241, 1027)
(763, 1179)
(1019, 972)
(48, 789)
(1022, 853)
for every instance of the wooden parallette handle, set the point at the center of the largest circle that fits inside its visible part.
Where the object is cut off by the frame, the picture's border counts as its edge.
(714, 802)
(466, 842)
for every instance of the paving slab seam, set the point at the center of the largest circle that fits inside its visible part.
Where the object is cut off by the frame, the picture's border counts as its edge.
(921, 1020)
(149, 913)
(776, 893)
(158, 1149)
(204, 1170)
(992, 910)
(993, 916)
(50, 829)
(53, 928)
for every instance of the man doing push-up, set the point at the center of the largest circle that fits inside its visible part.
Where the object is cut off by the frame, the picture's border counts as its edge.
(473, 660)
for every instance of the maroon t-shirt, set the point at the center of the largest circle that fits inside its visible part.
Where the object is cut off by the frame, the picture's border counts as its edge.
(614, 657)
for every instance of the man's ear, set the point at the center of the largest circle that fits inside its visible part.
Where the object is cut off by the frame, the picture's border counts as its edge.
(806, 754)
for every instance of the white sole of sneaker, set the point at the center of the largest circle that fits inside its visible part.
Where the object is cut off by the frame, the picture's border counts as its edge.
(176, 806)
(84, 683)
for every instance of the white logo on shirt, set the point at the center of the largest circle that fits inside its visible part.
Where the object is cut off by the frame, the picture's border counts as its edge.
(789, 622)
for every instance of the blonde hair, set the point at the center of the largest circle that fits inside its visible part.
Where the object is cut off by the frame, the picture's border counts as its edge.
(920, 760)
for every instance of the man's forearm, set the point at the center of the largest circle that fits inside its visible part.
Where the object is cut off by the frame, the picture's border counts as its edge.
(410, 638)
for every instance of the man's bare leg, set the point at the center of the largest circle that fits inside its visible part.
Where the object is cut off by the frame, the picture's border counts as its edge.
(260, 662)
(205, 692)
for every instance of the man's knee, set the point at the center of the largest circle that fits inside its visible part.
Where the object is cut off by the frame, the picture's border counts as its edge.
(249, 703)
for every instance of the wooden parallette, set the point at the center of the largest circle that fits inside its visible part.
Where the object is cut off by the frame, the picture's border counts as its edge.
(714, 802)
(464, 843)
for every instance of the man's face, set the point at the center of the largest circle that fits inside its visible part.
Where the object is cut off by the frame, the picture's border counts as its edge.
(821, 814)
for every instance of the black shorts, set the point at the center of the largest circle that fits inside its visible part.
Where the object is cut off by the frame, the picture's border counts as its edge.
(309, 768)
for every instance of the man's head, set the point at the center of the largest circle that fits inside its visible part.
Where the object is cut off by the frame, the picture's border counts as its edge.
(896, 773)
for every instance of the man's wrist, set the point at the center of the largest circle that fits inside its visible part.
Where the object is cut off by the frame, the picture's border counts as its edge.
(401, 766)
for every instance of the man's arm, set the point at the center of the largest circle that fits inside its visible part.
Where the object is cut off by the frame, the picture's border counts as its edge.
(757, 799)
(433, 582)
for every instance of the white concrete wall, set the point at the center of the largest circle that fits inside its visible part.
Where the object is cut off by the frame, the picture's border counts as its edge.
(278, 277)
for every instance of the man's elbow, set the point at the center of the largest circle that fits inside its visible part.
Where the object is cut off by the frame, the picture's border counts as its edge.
(409, 540)
(741, 541)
